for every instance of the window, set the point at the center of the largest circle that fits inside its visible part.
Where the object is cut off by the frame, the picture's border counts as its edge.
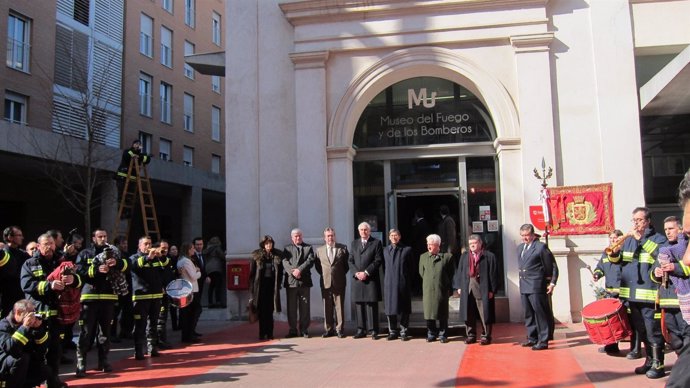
(215, 28)
(215, 164)
(188, 156)
(146, 36)
(15, 108)
(215, 123)
(145, 139)
(188, 50)
(189, 12)
(81, 11)
(188, 112)
(167, 5)
(145, 95)
(18, 43)
(165, 147)
(166, 103)
(166, 47)
(215, 83)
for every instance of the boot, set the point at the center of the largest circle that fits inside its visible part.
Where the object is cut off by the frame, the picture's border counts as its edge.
(138, 352)
(656, 371)
(635, 350)
(640, 370)
(81, 364)
(103, 364)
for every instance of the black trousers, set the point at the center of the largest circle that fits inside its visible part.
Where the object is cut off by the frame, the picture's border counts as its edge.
(189, 316)
(95, 319)
(537, 312)
(29, 370)
(676, 327)
(124, 313)
(265, 307)
(367, 317)
(216, 289)
(145, 321)
(680, 374)
(162, 325)
(643, 321)
(393, 323)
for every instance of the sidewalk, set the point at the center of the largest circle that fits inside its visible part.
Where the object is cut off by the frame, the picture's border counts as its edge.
(232, 355)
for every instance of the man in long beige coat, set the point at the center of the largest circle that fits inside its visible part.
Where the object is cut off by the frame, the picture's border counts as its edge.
(436, 269)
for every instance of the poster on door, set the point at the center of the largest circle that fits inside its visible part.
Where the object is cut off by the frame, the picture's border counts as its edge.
(485, 213)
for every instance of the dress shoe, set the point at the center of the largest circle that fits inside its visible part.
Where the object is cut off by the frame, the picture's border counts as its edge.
(391, 337)
(328, 334)
(80, 373)
(528, 344)
(340, 334)
(291, 334)
(359, 334)
(404, 337)
(470, 340)
(430, 339)
(374, 336)
(608, 349)
(305, 334)
(104, 366)
(443, 340)
(540, 346)
(484, 341)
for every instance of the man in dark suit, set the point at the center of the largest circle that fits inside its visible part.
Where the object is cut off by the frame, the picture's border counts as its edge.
(538, 276)
(366, 256)
(448, 231)
(198, 259)
(298, 258)
(331, 264)
(477, 281)
(399, 270)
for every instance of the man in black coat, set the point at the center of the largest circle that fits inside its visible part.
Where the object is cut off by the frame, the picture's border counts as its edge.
(366, 256)
(538, 276)
(477, 281)
(399, 270)
(298, 258)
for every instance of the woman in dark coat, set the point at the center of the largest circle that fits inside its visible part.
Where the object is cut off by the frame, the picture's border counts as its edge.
(477, 282)
(265, 275)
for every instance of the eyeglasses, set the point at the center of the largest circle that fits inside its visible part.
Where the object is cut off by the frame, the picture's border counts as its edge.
(637, 220)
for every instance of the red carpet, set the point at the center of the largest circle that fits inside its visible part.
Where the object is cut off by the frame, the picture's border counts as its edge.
(176, 365)
(505, 363)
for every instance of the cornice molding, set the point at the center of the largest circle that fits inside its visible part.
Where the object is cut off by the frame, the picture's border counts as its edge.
(310, 60)
(320, 11)
(507, 144)
(340, 152)
(532, 42)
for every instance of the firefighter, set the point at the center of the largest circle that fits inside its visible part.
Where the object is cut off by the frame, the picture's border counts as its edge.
(98, 297)
(148, 273)
(637, 255)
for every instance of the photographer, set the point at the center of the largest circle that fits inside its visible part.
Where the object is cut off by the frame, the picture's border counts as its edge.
(102, 270)
(23, 343)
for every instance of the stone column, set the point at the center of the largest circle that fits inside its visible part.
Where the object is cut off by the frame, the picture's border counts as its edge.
(190, 215)
(109, 205)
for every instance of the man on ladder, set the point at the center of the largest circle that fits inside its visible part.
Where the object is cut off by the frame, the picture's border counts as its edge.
(133, 152)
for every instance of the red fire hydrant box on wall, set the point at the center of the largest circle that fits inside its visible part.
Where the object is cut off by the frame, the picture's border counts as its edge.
(238, 274)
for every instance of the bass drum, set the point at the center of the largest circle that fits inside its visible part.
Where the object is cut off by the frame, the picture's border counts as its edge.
(180, 292)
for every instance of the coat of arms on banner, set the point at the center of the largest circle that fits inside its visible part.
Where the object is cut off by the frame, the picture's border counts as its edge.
(586, 209)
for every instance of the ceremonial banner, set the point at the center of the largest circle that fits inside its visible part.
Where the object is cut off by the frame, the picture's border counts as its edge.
(586, 209)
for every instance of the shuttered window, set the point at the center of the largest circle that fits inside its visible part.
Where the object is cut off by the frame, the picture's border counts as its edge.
(71, 58)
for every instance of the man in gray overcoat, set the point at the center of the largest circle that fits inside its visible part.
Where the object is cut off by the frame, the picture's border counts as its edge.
(397, 282)
(477, 281)
(436, 269)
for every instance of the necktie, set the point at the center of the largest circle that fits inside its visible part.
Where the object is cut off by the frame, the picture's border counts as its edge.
(299, 251)
(524, 249)
(364, 243)
(201, 259)
(330, 255)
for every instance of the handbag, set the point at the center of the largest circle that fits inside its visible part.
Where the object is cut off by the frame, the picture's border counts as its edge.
(252, 313)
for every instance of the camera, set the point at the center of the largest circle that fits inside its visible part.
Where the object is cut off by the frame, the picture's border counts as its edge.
(40, 316)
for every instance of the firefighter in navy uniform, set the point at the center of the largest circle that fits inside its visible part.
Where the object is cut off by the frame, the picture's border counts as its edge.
(23, 340)
(612, 274)
(98, 298)
(169, 274)
(132, 152)
(637, 255)
(148, 273)
(44, 295)
(11, 261)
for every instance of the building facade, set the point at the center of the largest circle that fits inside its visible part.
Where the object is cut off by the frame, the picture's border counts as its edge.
(74, 97)
(339, 113)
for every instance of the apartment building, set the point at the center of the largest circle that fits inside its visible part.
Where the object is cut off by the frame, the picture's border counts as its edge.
(83, 79)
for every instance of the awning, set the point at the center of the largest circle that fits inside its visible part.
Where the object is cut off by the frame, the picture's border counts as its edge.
(668, 92)
(208, 63)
